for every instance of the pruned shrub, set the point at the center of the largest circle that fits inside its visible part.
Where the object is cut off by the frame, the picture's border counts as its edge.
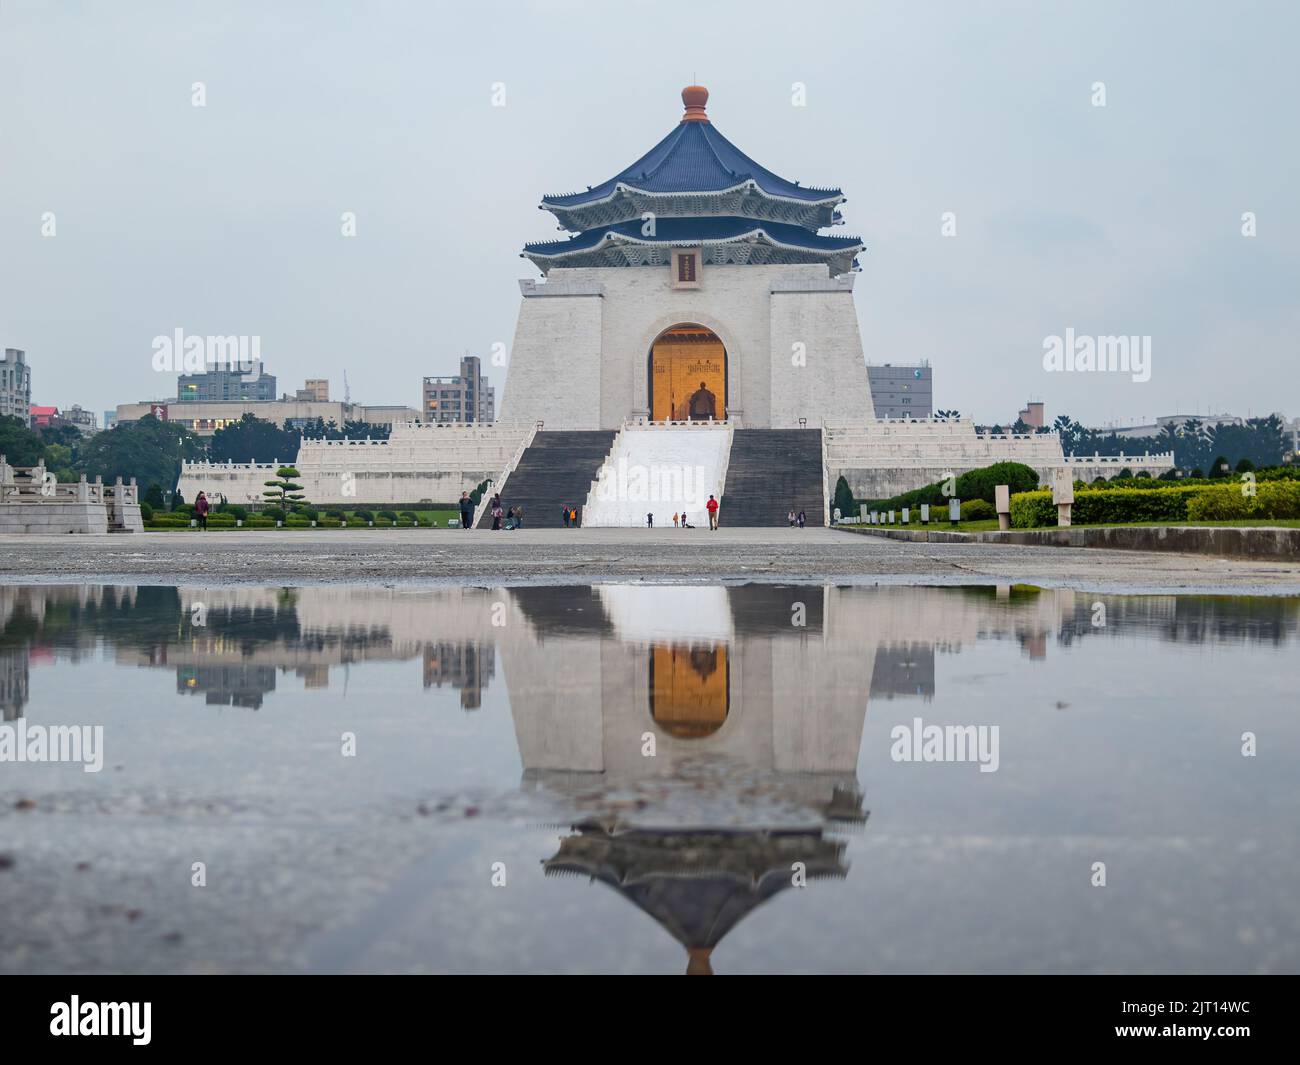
(1101, 506)
(1276, 500)
(978, 510)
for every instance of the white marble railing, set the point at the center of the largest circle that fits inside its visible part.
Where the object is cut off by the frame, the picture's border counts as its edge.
(646, 423)
(504, 476)
(1144, 459)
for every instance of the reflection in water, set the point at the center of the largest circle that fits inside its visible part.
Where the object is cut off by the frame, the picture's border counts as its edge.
(703, 742)
(698, 884)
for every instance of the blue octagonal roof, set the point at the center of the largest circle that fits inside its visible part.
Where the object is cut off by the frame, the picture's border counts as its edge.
(695, 158)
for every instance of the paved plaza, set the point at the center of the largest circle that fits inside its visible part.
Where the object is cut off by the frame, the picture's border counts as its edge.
(590, 555)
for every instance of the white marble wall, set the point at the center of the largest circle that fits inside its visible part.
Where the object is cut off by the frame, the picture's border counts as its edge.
(587, 332)
(417, 463)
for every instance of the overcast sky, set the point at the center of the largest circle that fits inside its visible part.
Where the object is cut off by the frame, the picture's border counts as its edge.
(225, 219)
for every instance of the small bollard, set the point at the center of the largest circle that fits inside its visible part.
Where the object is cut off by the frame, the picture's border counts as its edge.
(954, 510)
(906, 515)
(891, 517)
(925, 513)
(1062, 495)
(1002, 501)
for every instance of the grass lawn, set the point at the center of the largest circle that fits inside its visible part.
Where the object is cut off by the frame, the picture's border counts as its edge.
(438, 517)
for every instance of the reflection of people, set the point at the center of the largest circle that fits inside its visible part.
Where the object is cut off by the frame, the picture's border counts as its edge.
(703, 404)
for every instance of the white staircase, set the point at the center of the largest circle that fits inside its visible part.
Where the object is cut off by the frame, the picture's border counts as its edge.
(660, 469)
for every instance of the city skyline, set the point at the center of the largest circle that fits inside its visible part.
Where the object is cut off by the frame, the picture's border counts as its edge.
(227, 219)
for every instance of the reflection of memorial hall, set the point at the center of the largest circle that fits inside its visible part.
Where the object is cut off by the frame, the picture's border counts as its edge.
(755, 697)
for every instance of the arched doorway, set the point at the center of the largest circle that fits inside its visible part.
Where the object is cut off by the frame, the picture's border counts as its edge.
(690, 689)
(688, 375)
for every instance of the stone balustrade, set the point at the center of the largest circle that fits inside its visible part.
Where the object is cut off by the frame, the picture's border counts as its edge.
(33, 502)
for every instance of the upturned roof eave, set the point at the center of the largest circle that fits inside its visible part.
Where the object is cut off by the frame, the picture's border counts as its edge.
(609, 238)
(833, 196)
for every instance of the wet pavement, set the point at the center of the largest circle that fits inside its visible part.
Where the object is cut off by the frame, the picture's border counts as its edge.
(587, 555)
(649, 778)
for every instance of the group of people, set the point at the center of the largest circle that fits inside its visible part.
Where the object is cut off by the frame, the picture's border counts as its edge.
(800, 519)
(513, 517)
(680, 522)
(502, 517)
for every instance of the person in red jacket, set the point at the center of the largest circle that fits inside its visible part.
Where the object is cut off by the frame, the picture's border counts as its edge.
(201, 510)
(712, 507)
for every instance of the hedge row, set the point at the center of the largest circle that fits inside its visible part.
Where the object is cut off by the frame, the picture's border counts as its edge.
(1272, 499)
(1222, 502)
(1031, 510)
(257, 521)
(975, 484)
(1269, 473)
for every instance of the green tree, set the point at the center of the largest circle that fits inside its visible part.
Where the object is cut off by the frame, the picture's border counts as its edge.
(284, 492)
(149, 450)
(19, 445)
(253, 439)
(67, 435)
(59, 461)
(844, 501)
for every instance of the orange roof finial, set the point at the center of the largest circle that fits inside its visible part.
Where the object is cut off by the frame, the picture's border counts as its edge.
(695, 97)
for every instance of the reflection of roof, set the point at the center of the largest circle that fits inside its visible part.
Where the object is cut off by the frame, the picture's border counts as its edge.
(698, 883)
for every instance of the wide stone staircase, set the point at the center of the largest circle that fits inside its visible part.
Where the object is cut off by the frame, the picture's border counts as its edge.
(661, 470)
(557, 468)
(772, 472)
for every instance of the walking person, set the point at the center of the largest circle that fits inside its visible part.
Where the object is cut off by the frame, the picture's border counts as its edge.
(792, 519)
(519, 516)
(712, 507)
(201, 510)
(466, 510)
(674, 519)
(649, 521)
(564, 513)
(497, 512)
(573, 516)
(803, 519)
